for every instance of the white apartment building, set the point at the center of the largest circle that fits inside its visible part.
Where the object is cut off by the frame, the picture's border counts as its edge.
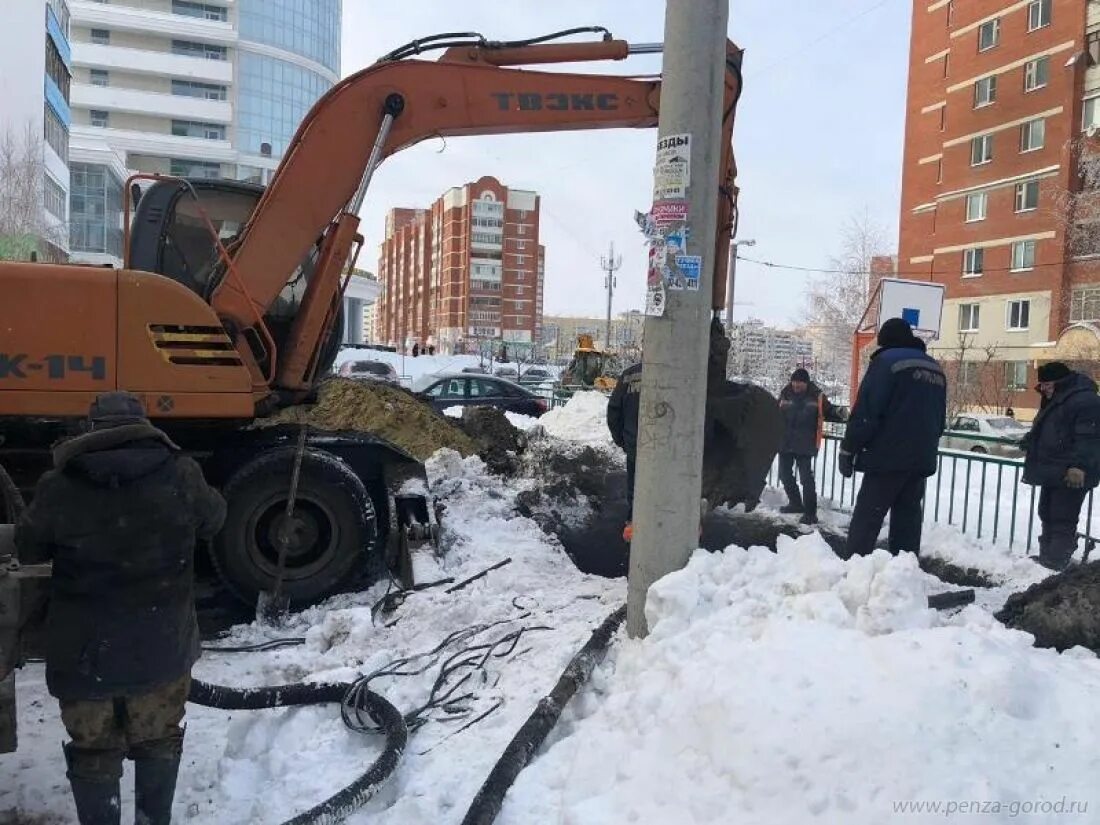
(203, 89)
(35, 73)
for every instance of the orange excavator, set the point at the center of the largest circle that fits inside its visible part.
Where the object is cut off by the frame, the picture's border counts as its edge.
(228, 305)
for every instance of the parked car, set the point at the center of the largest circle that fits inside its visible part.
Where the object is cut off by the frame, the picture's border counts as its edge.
(474, 371)
(511, 373)
(536, 375)
(369, 371)
(994, 426)
(465, 390)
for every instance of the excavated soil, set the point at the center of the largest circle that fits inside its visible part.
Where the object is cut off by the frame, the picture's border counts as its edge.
(499, 443)
(387, 411)
(1062, 611)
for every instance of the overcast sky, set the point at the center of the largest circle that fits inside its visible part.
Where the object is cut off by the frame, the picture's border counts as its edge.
(818, 137)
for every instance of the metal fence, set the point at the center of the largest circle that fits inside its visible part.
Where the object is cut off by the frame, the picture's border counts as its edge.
(981, 495)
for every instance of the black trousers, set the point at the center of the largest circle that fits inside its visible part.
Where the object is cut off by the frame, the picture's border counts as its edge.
(899, 494)
(630, 458)
(807, 498)
(1059, 509)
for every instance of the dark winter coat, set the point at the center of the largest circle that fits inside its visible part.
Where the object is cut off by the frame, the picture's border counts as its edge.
(803, 415)
(899, 414)
(622, 409)
(119, 517)
(1065, 433)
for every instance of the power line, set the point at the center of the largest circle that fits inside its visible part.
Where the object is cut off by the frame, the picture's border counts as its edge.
(923, 274)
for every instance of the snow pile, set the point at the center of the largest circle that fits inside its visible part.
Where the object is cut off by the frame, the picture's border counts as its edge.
(454, 412)
(521, 422)
(583, 419)
(797, 688)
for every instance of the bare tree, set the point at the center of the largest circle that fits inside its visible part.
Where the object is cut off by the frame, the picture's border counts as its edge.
(24, 227)
(836, 301)
(976, 378)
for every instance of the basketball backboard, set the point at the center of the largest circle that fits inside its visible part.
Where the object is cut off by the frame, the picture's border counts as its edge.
(918, 302)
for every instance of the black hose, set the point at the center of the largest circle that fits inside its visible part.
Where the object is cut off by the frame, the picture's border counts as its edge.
(529, 738)
(388, 719)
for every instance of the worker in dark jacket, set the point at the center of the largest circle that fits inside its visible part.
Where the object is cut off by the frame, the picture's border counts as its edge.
(805, 411)
(893, 437)
(1063, 457)
(622, 421)
(119, 516)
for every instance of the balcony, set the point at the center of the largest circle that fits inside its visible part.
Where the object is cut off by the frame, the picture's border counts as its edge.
(151, 143)
(181, 107)
(144, 61)
(163, 24)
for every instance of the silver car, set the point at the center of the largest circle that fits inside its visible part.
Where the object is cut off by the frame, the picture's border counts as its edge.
(970, 432)
(369, 371)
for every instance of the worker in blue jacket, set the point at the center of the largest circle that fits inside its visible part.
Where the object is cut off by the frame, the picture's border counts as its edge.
(893, 437)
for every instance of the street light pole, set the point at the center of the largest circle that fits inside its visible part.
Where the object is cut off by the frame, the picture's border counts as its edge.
(732, 279)
(610, 265)
(674, 375)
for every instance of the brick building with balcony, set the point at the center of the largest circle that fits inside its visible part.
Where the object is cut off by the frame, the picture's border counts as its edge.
(467, 269)
(1002, 99)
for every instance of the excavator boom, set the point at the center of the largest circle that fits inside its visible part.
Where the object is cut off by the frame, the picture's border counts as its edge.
(392, 105)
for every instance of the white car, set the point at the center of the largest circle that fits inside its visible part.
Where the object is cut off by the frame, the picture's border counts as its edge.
(993, 426)
(369, 371)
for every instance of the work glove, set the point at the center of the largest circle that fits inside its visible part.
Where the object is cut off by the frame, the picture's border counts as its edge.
(847, 464)
(1075, 478)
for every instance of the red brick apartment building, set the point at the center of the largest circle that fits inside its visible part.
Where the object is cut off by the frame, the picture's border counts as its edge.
(469, 267)
(1004, 97)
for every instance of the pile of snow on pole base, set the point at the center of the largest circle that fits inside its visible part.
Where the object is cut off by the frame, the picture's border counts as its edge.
(799, 688)
(583, 419)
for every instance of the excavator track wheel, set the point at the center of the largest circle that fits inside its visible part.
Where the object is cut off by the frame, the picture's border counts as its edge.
(333, 527)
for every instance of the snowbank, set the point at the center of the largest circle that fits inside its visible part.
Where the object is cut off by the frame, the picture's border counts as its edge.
(583, 419)
(797, 688)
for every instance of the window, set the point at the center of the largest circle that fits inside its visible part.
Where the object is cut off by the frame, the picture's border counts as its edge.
(1023, 255)
(989, 34)
(204, 50)
(1036, 73)
(99, 118)
(192, 88)
(60, 10)
(56, 69)
(969, 373)
(1016, 375)
(1033, 135)
(967, 425)
(1084, 304)
(100, 77)
(1017, 315)
(1091, 113)
(53, 196)
(192, 128)
(1038, 14)
(985, 91)
(1027, 196)
(981, 150)
(521, 229)
(973, 262)
(203, 11)
(56, 133)
(101, 37)
(95, 209)
(968, 317)
(976, 205)
(194, 168)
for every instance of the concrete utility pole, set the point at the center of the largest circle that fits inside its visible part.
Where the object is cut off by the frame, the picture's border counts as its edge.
(732, 280)
(674, 375)
(610, 265)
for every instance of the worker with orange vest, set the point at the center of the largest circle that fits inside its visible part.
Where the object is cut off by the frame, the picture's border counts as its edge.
(805, 410)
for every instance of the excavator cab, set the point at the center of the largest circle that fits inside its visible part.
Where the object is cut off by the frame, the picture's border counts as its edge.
(170, 235)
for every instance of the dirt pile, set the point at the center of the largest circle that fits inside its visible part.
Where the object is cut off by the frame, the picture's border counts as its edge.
(1061, 611)
(387, 411)
(499, 442)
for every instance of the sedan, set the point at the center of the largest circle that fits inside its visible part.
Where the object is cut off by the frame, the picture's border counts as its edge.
(536, 375)
(369, 371)
(481, 391)
(995, 434)
(507, 372)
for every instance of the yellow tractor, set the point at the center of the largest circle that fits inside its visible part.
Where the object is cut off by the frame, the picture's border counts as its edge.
(590, 368)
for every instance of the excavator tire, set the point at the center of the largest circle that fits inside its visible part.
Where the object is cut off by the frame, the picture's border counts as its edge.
(336, 526)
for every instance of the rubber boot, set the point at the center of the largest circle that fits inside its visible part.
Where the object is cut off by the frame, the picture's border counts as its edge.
(97, 799)
(155, 772)
(809, 517)
(791, 508)
(1057, 553)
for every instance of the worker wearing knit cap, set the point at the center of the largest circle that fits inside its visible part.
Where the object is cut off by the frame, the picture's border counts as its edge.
(1063, 457)
(805, 409)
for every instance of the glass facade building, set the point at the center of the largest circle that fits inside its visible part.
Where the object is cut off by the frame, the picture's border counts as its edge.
(95, 209)
(274, 94)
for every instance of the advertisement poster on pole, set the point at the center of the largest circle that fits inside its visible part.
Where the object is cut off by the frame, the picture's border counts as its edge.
(655, 280)
(689, 268)
(672, 171)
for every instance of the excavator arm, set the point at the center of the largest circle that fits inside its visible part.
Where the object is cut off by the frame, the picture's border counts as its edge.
(394, 104)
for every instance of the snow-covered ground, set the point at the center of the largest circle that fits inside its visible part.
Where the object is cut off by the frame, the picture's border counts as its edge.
(780, 688)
